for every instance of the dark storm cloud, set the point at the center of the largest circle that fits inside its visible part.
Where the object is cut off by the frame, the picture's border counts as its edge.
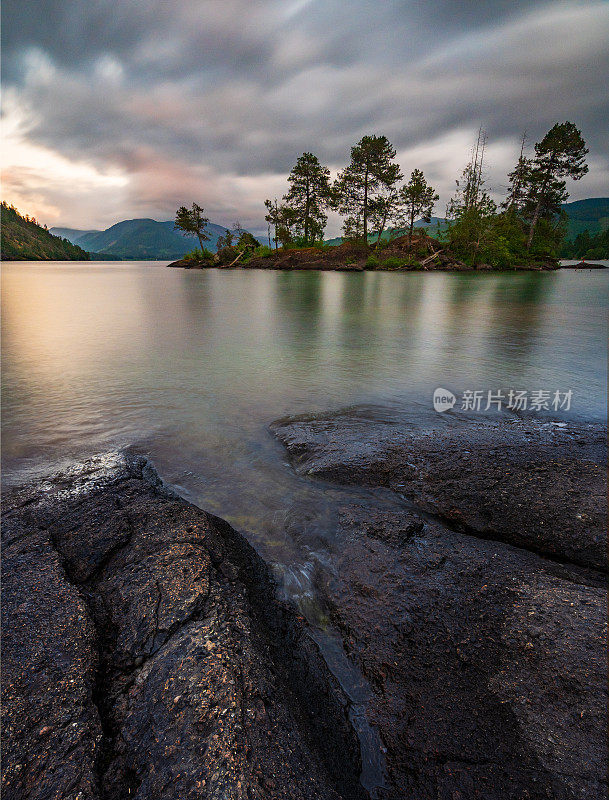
(221, 91)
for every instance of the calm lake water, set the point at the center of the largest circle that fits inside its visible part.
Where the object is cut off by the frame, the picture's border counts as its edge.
(190, 367)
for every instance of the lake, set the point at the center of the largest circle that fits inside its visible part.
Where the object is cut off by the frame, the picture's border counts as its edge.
(190, 367)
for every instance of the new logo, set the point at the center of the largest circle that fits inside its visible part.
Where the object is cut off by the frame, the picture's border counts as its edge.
(443, 399)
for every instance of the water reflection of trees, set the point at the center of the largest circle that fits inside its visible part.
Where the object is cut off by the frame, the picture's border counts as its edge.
(519, 304)
(298, 306)
(379, 327)
(496, 318)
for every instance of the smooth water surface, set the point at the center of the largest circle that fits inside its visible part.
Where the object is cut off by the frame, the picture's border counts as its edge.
(190, 367)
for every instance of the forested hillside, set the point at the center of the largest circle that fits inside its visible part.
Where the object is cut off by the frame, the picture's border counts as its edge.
(23, 239)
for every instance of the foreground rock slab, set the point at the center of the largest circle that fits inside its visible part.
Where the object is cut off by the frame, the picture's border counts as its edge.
(146, 656)
(540, 486)
(487, 659)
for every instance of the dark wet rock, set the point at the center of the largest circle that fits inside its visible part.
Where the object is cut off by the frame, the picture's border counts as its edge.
(487, 660)
(146, 655)
(50, 726)
(189, 263)
(536, 485)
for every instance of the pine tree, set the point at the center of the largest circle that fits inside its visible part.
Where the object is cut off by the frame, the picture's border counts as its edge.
(370, 176)
(416, 199)
(192, 222)
(470, 195)
(287, 225)
(383, 208)
(560, 154)
(518, 182)
(309, 194)
(225, 241)
(272, 217)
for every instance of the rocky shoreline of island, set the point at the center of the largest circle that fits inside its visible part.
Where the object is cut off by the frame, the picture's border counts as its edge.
(146, 652)
(419, 253)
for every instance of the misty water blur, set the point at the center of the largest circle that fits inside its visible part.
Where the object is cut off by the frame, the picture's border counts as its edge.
(190, 367)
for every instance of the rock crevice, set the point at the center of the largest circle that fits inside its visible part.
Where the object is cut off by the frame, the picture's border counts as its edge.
(146, 655)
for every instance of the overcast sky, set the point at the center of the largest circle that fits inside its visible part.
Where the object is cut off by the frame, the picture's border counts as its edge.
(114, 110)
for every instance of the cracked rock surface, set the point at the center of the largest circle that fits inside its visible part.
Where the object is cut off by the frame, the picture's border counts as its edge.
(146, 656)
(477, 610)
(539, 486)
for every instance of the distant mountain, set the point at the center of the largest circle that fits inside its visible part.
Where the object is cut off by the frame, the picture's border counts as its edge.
(140, 239)
(591, 215)
(71, 234)
(390, 232)
(23, 239)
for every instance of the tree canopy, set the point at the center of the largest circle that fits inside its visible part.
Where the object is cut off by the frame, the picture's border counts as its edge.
(190, 221)
(309, 195)
(365, 189)
(416, 199)
(560, 154)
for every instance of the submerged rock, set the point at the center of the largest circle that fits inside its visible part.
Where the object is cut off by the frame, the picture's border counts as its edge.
(146, 655)
(487, 659)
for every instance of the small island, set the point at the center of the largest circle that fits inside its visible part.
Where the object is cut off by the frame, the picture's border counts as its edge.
(386, 221)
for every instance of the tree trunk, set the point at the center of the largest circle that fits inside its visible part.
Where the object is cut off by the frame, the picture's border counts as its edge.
(534, 222)
(544, 186)
(382, 228)
(430, 258)
(306, 220)
(237, 259)
(366, 206)
(411, 225)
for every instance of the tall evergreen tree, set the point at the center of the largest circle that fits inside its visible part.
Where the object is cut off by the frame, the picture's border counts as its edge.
(383, 208)
(470, 194)
(560, 154)
(225, 241)
(518, 181)
(372, 174)
(272, 217)
(309, 194)
(192, 222)
(416, 199)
